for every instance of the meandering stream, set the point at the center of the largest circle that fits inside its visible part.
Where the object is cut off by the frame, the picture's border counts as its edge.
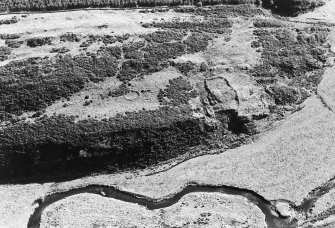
(273, 220)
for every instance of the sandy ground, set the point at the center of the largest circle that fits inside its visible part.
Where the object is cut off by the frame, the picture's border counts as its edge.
(193, 210)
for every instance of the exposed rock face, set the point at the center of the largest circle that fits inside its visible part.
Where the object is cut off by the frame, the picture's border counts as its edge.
(223, 97)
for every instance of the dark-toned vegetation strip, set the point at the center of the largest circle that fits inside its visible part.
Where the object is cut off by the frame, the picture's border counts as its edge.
(186, 67)
(268, 23)
(132, 141)
(70, 37)
(178, 92)
(209, 25)
(6, 36)
(14, 43)
(223, 11)
(4, 52)
(299, 61)
(38, 41)
(197, 42)
(12, 20)
(60, 50)
(38, 5)
(121, 90)
(164, 36)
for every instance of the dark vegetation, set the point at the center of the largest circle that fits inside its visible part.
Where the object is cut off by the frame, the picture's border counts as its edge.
(70, 37)
(4, 53)
(209, 25)
(121, 90)
(13, 20)
(38, 41)
(284, 95)
(197, 42)
(164, 36)
(14, 43)
(38, 5)
(299, 61)
(185, 67)
(108, 39)
(32, 84)
(60, 50)
(133, 50)
(58, 146)
(223, 11)
(6, 36)
(268, 23)
(178, 92)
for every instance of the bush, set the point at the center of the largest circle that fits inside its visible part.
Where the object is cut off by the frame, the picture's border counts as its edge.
(185, 67)
(197, 42)
(13, 20)
(70, 37)
(133, 50)
(39, 41)
(14, 43)
(268, 23)
(60, 50)
(4, 53)
(119, 91)
(178, 92)
(6, 36)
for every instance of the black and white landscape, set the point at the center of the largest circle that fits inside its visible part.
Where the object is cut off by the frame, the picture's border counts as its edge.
(167, 113)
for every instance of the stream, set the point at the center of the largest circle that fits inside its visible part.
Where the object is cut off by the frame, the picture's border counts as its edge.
(273, 220)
